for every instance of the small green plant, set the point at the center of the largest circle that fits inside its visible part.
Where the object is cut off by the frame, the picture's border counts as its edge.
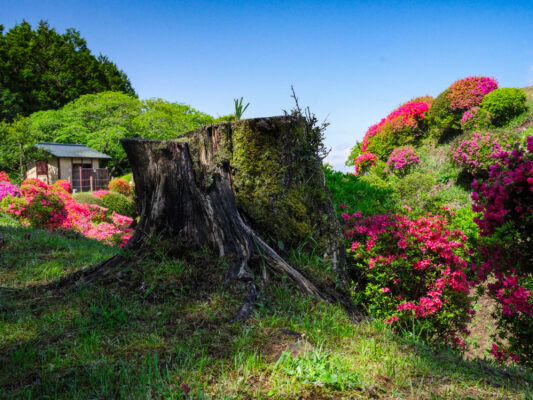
(319, 368)
(239, 109)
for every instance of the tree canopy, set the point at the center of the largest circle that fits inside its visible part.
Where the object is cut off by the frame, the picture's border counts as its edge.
(99, 121)
(42, 69)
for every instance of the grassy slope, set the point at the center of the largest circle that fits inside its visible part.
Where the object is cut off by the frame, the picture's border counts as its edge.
(529, 92)
(169, 322)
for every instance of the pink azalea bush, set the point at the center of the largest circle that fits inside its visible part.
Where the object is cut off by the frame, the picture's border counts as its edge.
(364, 162)
(64, 184)
(4, 177)
(402, 126)
(413, 269)
(505, 201)
(402, 159)
(101, 193)
(469, 92)
(477, 153)
(52, 207)
(475, 118)
(399, 127)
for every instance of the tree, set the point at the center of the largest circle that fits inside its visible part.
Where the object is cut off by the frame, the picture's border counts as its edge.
(100, 120)
(42, 69)
(16, 147)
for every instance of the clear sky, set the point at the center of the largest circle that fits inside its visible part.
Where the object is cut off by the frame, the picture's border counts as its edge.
(350, 61)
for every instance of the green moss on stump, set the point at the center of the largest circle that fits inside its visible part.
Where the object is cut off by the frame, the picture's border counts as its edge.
(277, 177)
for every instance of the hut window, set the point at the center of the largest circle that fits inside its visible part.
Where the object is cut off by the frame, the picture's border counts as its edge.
(42, 167)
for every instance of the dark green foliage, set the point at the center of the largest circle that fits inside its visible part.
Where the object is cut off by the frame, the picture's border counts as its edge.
(444, 123)
(504, 104)
(42, 69)
(120, 204)
(87, 198)
(358, 194)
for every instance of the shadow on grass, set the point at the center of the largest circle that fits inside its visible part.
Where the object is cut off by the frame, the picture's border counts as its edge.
(31, 256)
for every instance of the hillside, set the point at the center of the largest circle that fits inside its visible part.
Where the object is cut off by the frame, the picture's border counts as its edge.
(529, 92)
(433, 300)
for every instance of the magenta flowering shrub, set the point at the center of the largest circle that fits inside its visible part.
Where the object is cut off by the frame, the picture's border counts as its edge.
(52, 207)
(413, 269)
(364, 162)
(8, 189)
(403, 125)
(402, 160)
(475, 118)
(505, 201)
(481, 150)
(469, 92)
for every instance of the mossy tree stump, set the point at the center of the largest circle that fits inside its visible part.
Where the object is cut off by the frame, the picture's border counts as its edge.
(234, 187)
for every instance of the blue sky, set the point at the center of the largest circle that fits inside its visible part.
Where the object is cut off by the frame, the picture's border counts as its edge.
(352, 62)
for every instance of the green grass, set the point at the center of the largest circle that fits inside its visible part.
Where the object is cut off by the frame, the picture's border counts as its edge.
(163, 322)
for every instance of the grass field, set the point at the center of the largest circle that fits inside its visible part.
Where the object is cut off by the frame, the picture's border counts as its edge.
(163, 328)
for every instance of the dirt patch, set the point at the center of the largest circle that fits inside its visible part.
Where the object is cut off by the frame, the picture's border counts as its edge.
(483, 325)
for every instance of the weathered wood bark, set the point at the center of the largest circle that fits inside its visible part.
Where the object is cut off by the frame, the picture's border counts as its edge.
(174, 205)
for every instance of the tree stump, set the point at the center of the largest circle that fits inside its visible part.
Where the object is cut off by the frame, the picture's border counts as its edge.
(225, 185)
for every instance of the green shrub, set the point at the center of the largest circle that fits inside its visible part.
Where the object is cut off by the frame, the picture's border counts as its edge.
(443, 122)
(128, 178)
(87, 198)
(463, 219)
(504, 104)
(120, 204)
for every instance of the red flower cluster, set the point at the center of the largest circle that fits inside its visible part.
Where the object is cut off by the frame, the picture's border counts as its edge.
(364, 162)
(400, 126)
(414, 268)
(406, 117)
